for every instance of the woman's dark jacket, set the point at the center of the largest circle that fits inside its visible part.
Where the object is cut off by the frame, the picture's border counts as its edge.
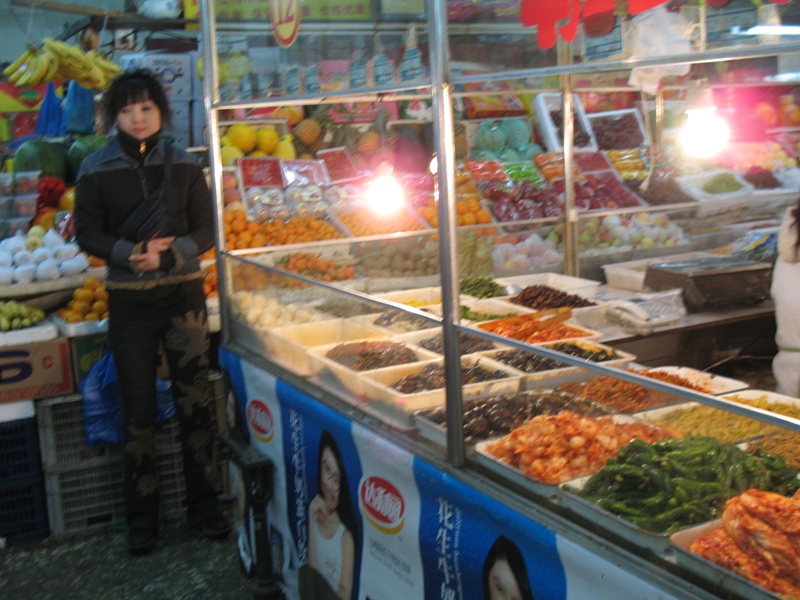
(111, 184)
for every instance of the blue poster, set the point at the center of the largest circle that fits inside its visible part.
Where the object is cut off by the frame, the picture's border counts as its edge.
(355, 516)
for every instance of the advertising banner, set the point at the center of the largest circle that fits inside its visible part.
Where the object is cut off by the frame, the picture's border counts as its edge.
(356, 516)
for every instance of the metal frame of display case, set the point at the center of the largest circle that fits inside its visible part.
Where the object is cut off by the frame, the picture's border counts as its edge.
(456, 459)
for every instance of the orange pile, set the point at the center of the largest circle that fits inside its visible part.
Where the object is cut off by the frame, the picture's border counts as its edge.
(468, 212)
(210, 287)
(89, 303)
(365, 223)
(298, 230)
(310, 265)
(241, 232)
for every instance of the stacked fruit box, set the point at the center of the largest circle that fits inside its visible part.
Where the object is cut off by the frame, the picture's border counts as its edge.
(84, 483)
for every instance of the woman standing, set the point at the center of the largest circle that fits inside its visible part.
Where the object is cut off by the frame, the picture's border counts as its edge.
(331, 548)
(145, 208)
(786, 293)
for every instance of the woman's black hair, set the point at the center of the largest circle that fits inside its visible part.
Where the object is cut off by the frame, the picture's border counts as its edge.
(504, 549)
(796, 225)
(345, 506)
(131, 87)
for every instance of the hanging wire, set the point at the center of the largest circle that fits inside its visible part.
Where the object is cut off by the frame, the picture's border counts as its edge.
(30, 25)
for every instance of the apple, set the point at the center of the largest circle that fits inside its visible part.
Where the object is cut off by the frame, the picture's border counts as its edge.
(229, 181)
(231, 195)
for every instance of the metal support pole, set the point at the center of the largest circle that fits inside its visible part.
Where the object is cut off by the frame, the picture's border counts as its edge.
(443, 131)
(570, 212)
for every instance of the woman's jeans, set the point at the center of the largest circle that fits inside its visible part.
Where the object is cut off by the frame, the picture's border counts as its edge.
(135, 346)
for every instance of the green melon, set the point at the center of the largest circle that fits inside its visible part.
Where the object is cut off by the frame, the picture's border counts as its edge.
(41, 155)
(80, 149)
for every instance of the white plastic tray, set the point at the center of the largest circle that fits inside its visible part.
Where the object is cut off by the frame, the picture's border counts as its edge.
(352, 380)
(585, 288)
(547, 101)
(713, 204)
(534, 380)
(45, 330)
(417, 298)
(591, 117)
(38, 288)
(378, 386)
(290, 345)
(715, 384)
(78, 329)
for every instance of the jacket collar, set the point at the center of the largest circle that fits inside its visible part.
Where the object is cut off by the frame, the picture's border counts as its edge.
(113, 151)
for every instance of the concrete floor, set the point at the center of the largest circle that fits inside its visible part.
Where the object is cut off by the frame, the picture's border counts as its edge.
(184, 566)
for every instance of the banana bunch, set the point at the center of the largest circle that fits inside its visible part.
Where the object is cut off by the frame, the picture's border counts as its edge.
(58, 60)
(91, 70)
(32, 67)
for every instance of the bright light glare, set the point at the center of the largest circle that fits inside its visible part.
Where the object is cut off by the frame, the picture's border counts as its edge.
(434, 166)
(705, 133)
(384, 195)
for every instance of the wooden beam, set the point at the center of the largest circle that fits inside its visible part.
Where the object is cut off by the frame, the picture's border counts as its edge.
(74, 9)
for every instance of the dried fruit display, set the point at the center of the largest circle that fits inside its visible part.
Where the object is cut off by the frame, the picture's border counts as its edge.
(467, 344)
(431, 377)
(541, 297)
(556, 448)
(401, 322)
(487, 418)
(580, 137)
(661, 189)
(615, 132)
(629, 397)
(533, 363)
(365, 356)
(340, 307)
(762, 179)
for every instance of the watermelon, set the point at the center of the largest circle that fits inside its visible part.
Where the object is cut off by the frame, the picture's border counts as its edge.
(40, 155)
(80, 149)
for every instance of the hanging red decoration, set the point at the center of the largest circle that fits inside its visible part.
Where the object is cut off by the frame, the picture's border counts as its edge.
(569, 30)
(639, 6)
(544, 14)
(598, 16)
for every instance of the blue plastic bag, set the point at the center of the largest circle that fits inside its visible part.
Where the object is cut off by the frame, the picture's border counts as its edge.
(51, 114)
(102, 403)
(78, 110)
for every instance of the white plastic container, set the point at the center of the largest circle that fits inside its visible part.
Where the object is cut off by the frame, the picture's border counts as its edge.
(378, 385)
(585, 288)
(615, 114)
(713, 204)
(543, 104)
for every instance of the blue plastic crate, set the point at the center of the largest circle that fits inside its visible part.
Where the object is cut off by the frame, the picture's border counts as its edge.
(19, 450)
(23, 511)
